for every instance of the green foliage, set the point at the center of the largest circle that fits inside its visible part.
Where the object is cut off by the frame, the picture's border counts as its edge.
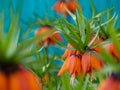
(38, 59)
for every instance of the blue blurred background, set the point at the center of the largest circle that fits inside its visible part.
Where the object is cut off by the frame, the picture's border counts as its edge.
(44, 7)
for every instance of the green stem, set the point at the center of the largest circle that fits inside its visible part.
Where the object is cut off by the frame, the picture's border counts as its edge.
(46, 54)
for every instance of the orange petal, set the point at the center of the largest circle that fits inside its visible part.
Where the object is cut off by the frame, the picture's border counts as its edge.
(68, 52)
(78, 67)
(71, 52)
(114, 52)
(65, 54)
(86, 62)
(96, 64)
(14, 83)
(64, 67)
(60, 7)
(57, 36)
(3, 81)
(42, 30)
(72, 6)
(110, 84)
(32, 82)
(108, 47)
(72, 64)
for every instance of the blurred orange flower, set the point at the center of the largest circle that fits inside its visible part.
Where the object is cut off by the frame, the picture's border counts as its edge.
(111, 83)
(47, 40)
(20, 79)
(110, 48)
(61, 6)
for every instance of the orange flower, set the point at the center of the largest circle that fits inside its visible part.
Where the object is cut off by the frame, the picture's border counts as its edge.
(19, 79)
(68, 52)
(110, 48)
(72, 64)
(111, 83)
(96, 41)
(115, 53)
(90, 62)
(61, 6)
(47, 40)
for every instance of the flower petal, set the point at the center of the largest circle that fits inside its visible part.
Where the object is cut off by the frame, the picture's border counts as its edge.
(64, 66)
(86, 62)
(72, 64)
(96, 64)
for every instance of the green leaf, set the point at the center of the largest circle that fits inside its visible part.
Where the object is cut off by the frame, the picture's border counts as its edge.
(113, 34)
(73, 32)
(108, 58)
(86, 82)
(13, 45)
(65, 81)
(73, 42)
(81, 25)
(11, 33)
(92, 41)
(88, 34)
(62, 45)
(94, 11)
(103, 12)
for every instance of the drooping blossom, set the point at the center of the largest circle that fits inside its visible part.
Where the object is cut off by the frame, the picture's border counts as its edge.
(48, 39)
(61, 6)
(111, 83)
(90, 62)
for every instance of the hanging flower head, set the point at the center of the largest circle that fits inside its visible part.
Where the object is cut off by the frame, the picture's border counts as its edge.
(62, 5)
(90, 62)
(47, 40)
(111, 83)
(72, 64)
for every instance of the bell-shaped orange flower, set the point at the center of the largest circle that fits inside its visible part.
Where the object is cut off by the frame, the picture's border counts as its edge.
(68, 52)
(90, 62)
(72, 64)
(18, 79)
(62, 5)
(47, 40)
(111, 83)
(110, 48)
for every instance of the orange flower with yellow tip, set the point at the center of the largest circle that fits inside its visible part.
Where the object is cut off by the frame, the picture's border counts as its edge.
(61, 6)
(111, 83)
(72, 64)
(47, 40)
(68, 52)
(90, 62)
